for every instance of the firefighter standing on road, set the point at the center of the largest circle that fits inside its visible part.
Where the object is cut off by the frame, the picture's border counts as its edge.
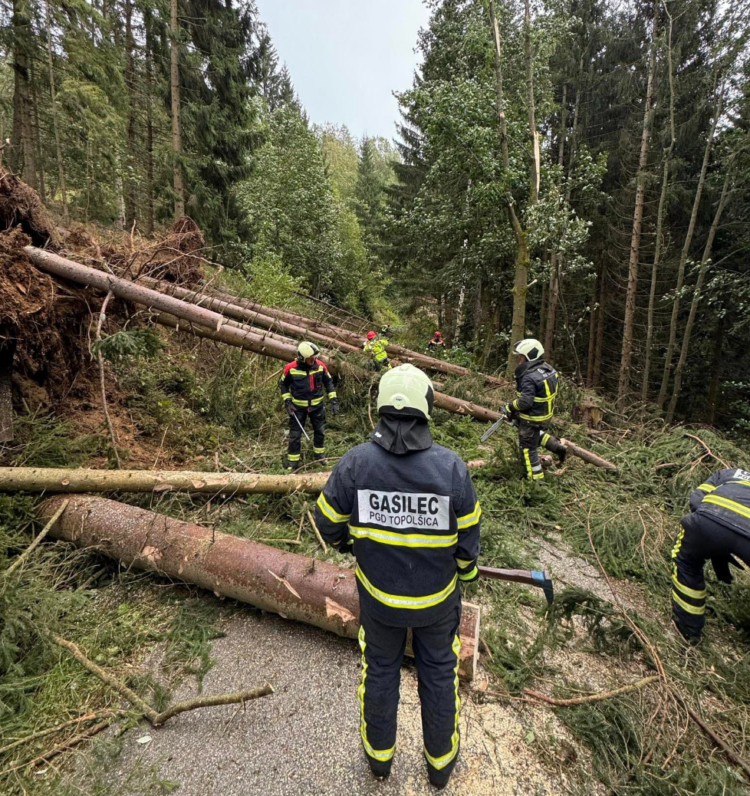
(718, 528)
(406, 508)
(302, 389)
(536, 390)
(376, 346)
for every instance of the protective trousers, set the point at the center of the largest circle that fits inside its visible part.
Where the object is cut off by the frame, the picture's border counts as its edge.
(699, 540)
(436, 649)
(317, 416)
(530, 437)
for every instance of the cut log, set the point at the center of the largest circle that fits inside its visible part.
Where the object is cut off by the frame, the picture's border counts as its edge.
(213, 321)
(42, 479)
(296, 587)
(587, 456)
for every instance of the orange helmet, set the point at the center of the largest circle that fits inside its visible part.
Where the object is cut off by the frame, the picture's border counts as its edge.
(371, 335)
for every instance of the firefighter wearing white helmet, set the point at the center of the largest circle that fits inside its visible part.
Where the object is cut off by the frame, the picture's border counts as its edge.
(407, 510)
(304, 384)
(534, 407)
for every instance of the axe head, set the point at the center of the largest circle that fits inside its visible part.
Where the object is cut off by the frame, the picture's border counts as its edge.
(544, 583)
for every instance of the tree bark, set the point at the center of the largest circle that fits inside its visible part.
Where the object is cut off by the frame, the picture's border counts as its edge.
(623, 386)
(7, 353)
(684, 256)
(22, 139)
(705, 261)
(659, 242)
(520, 282)
(298, 588)
(149, 219)
(130, 143)
(53, 100)
(593, 319)
(179, 190)
(714, 384)
(531, 105)
(600, 325)
(50, 479)
(38, 151)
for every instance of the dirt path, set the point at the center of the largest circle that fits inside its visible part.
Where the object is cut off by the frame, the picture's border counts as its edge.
(304, 738)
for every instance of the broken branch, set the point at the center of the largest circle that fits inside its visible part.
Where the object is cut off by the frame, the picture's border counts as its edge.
(30, 549)
(600, 697)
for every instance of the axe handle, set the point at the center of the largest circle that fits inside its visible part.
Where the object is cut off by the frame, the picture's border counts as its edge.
(529, 577)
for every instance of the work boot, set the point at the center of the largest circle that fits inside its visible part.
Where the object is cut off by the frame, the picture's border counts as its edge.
(291, 466)
(320, 457)
(380, 770)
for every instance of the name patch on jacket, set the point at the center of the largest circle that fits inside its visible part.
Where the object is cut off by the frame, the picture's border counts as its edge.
(404, 509)
(741, 475)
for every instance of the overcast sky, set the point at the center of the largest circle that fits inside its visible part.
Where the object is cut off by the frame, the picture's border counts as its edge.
(346, 57)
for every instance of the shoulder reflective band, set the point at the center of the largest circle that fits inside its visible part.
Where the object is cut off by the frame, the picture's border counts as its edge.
(706, 487)
(470, 519)
(730, 505)
(403, 539)
(412, 603)
(329, 511)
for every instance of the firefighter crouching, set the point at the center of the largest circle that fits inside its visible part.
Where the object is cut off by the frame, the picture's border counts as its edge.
(376, 346)
(717, 529)
(303, 385)
(407, 510)
(534, 406)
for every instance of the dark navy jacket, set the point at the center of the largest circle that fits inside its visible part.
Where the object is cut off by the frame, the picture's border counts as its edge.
(414, 523)
(536, 390)
(725, 498)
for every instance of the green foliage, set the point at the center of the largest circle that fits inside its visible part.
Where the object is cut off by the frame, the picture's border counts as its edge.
(140, 343)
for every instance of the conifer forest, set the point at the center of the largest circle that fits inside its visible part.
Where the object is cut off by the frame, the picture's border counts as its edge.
(177, 231)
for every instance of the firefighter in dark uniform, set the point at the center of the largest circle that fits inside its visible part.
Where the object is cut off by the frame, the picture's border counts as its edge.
(303, 387)
(407, 510)
(534, 406)
(717, 529)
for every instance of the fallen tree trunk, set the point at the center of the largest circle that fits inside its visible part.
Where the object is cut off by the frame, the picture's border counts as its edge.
(285, 352)
(296, 587)
(587, 456)
(50, 479)
(213, 321)
(300, 327)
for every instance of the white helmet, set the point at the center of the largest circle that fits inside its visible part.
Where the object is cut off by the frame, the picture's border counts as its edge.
(530, 348)
(405, 390)
(306, 350)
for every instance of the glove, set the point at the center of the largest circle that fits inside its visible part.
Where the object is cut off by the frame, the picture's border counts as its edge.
(347, 547)
(507, 410)
(335, 406)
(289, 406)
(721, 567)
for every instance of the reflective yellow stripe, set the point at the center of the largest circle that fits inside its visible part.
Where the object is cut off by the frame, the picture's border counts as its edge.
(403, 539)
(469, 575)
(470, 519)
(691, 609)
(286, 396)
(706, 487)
(463, 563)
(332, 395)
(537, 418)
(730, 505)
(742, 483)
(318, 450)
(297, 372)
(293, 457)
(399, 601)
(529, 468)
(378, 754)
(312, 402)
(545, 440)
(694, 593)
(442, 761)
(329, 511)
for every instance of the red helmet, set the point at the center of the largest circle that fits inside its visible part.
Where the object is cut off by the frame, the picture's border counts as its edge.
(438, 334)
(371, 335)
